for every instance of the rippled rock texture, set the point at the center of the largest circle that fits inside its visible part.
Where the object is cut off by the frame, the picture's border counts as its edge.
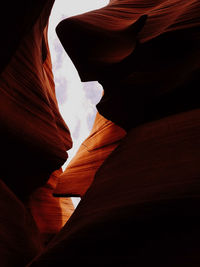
(138, 171)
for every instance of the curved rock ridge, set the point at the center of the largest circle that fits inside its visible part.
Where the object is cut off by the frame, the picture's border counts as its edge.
(94, 45)
(34, 137)
(79, 174)
(143, 206)
(20, 18)
(50, 213)
(138, 171)
(144, 53)
(108, 35)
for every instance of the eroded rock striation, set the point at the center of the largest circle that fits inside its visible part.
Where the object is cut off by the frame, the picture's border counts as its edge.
(138, 171)
(79, 174)
(34, 136)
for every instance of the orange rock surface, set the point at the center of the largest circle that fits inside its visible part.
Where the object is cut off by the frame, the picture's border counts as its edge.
(50, 213)
(143, 206)
(140, 203)
(34, 136)
(79, 174)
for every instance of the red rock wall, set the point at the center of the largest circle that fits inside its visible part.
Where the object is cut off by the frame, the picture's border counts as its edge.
(19, 237)
(144, 53)
(79, 174)
(34, 137)
(108, 35)
(143, 206)
(50, 213)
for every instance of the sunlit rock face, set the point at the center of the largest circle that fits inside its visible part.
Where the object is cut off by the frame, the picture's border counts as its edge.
(140, 206)
(50, 213)
(79, 174)
(143, 206)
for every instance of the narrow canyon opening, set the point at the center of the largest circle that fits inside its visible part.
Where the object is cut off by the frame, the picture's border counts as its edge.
(77, 101)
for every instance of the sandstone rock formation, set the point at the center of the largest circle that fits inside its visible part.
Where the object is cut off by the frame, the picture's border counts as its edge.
(50, 213)
(145, 195)
(143, 206)
(19, 236)
(153, 59)
(79, 174)
(34, 137)
(140, 205)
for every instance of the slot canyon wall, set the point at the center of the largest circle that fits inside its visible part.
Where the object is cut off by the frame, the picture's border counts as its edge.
(138, 171)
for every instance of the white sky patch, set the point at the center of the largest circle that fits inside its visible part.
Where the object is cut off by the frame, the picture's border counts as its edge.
(77, 108)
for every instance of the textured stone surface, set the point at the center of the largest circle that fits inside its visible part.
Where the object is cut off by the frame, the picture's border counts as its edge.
(50, 213)
(143, 206)
(79, 174)
(144, 65)
(19, 236)
(34, 137)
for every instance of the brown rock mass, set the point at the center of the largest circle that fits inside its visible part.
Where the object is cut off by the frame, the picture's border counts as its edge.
(79, 174)
(138, 171)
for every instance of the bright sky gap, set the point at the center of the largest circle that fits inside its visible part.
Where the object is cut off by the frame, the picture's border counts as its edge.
(76, 100)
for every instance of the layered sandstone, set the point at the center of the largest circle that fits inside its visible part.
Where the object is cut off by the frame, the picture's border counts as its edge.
(140, 190)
